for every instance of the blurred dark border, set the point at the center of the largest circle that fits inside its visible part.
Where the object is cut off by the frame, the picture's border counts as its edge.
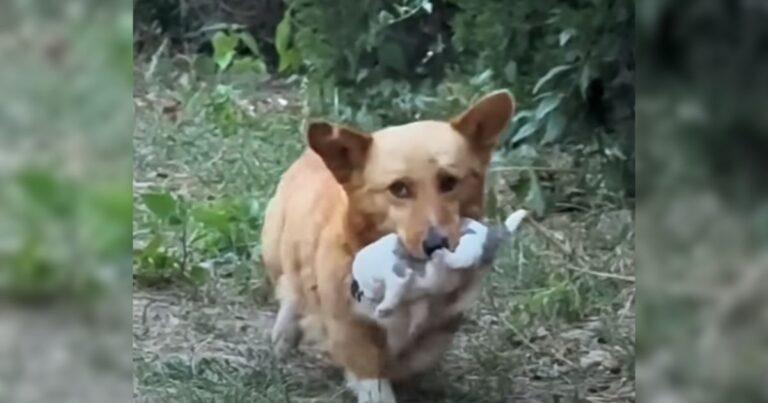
(702, 216)
(66, 120)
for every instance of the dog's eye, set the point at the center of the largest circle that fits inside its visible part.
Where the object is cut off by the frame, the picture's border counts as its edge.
(400, 190)
(447, 183)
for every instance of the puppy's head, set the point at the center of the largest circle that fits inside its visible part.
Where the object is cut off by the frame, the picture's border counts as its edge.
(418, 179)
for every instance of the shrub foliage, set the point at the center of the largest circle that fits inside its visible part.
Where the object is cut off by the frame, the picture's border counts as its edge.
(368, 63)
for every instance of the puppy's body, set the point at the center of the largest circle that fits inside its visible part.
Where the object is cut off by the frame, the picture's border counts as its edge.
(346, 191)
(384, 276)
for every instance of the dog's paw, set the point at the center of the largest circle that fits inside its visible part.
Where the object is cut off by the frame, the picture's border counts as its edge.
(285, 339)
(374, 391)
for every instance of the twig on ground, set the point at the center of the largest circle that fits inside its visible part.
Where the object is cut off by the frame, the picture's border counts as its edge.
(630, 279)
(521, 168)
(628, 306)
(569, 252)
(547, 234)
(154, 60)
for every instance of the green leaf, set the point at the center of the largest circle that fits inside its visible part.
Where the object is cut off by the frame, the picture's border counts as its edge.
(175, 219)
(289, 60)
(161, 261)
(535, 198)
(427, 6)
(555, 126)
(152, 247)
(283, 33)
(289, 56)
(198, 274)
(162, 205)
(547, 105)
(249, 42)
(212, 219)
(249, 65)
(223, 49)
(552, 73)
(525, 131)
(391, 55)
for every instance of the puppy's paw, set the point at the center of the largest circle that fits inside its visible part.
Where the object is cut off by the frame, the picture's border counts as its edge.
(414, 329)
(514, 220)
(383, 312)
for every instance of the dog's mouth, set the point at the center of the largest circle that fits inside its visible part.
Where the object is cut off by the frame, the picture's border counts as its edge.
(424, 248)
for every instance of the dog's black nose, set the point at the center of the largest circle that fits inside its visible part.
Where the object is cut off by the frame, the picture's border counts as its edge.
(433, 241)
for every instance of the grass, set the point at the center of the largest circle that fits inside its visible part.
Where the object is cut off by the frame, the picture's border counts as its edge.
(555, 321)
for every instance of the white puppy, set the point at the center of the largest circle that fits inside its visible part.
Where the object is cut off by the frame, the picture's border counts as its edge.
(385, 276)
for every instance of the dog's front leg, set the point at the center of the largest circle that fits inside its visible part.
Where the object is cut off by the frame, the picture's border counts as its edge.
(286, 333)
(357, 345)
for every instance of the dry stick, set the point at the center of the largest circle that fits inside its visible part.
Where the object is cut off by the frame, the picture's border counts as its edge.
(522, 168)
(628, 306)
(154, 60)
(630, 279)
(544, 231)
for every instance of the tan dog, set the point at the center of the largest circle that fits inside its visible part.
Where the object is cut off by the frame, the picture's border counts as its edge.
(349, 189)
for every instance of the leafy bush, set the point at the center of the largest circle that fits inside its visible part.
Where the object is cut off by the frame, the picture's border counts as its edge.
(570, 65)
(189, 25)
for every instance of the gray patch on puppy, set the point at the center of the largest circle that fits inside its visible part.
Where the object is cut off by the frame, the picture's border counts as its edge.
(400, 252)
(399, 269)
(491, 246)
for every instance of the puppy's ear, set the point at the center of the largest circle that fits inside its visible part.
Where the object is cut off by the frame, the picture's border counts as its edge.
(343, 150)
(482, 123)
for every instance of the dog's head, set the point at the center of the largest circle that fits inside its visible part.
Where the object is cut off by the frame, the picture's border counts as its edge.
(418, 179)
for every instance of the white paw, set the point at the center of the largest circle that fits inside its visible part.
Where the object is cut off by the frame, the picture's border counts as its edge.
(514, 220)
(374, 391)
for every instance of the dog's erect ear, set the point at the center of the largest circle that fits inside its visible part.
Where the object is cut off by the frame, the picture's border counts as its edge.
(482, 123)
(343, 150)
